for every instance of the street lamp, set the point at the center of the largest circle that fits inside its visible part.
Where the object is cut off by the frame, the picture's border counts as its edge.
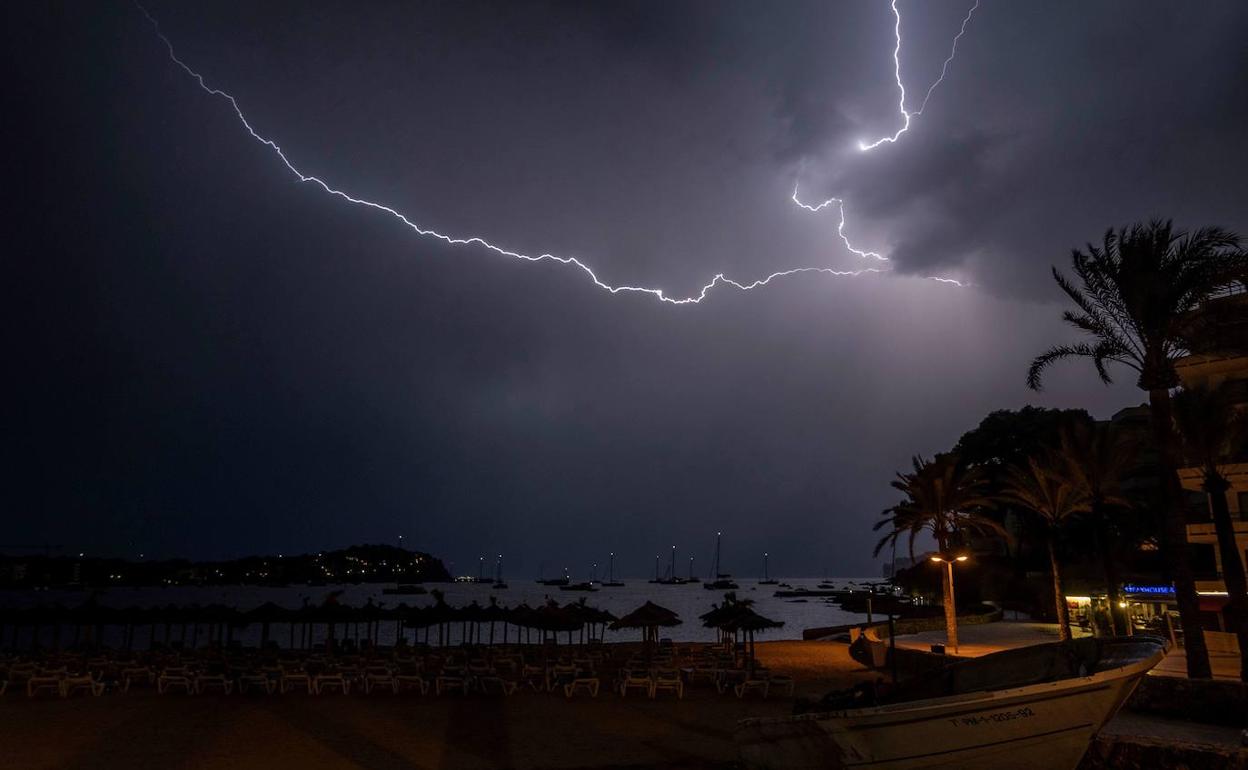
(952, 609)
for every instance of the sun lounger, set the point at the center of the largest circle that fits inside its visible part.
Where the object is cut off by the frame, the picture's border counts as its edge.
(760, 686)
(292, 679)
(380, 676)
(636, 679)
(42, 683)
(449, 683)
(133, 674)
(780, 685)
(701, 672)
(206, 682)
(408, 681)
(490, 685)
(667, 680)
(331, 681)
(535, 678)
(260, 681)
(560, 676)
(729, 678)
(583, 684)
(175, 679)
(87, 682)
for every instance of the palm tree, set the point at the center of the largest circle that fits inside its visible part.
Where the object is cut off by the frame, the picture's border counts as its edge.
(1041, 489)
(1096, 458)
(941, 497)
(1214, 430)
(1135, 295)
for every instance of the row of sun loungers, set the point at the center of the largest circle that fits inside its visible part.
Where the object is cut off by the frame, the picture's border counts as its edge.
(487, 671)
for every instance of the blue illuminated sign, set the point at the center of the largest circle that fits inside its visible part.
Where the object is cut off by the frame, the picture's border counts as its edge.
(1131, 588)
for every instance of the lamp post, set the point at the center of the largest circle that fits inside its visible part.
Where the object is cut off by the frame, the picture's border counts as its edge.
(951, 632)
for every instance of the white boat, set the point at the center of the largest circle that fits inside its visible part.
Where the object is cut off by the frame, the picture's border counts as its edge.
(1034, 707)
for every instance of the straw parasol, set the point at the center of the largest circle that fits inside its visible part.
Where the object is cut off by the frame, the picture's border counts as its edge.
(648, 617)
(747, 621)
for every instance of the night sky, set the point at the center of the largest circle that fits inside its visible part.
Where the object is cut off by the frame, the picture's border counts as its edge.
(205, 357)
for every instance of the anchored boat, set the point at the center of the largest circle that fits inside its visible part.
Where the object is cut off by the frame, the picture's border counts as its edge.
(1034, 707)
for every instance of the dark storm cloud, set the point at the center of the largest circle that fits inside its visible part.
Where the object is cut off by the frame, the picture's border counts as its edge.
(1082, 114)
(209, 357)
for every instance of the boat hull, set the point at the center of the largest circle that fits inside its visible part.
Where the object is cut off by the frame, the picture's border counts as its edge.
(1046, 725)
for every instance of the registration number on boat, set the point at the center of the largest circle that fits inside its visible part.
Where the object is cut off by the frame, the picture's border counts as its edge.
(988, 719)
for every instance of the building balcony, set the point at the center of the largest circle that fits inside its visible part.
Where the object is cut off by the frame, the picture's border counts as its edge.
(1210, 586)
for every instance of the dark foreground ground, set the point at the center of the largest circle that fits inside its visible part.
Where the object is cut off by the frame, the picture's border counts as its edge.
(528, 730)
(385, 732)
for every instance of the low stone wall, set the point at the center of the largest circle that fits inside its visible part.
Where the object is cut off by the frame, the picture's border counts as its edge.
(1215, 702)
(904, 626)
(1118, 753)
(919, 625)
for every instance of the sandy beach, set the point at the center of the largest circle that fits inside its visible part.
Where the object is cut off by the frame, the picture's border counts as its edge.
(383, 731)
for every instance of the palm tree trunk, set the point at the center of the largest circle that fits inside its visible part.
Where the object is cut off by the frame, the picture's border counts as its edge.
(1175, 530)
(1059, 596)
(1232, 566)
(951, 611)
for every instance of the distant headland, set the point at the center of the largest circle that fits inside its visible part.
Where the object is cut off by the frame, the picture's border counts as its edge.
(355, 564)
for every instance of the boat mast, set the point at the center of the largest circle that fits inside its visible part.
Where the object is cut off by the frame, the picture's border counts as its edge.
(673, 567)
(715, 574)
(611, 569)
(765, 575)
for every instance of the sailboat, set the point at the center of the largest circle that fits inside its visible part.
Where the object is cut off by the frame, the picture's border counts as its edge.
(766, 581)
(498, 574)
(563, 581)
(611, 582)
(589, 585)
(692, 577)
(670, 579)
(722, 581)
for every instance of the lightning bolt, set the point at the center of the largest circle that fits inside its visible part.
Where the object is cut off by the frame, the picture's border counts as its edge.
(481, 242)
(840, 227)
(907, 116)
(840, 230)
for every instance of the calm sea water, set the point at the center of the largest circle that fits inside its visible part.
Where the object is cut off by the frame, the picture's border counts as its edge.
(688, 601)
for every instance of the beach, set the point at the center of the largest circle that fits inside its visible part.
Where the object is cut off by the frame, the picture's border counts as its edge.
(381, 730)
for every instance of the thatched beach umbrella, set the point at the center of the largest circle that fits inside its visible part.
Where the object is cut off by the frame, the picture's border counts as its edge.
(589, 616)
(550, 617)
(495, 614)
(267, 614)
(441, 614)
(649, 617)
(520, 616)
(220, 620)
(720, 615)
(747, 621)
(470, 618)
(399, 615)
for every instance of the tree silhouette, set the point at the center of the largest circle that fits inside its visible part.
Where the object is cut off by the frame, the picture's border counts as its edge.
(942, 497)
(1135, 296)
(1213, 432)
(1039, 487)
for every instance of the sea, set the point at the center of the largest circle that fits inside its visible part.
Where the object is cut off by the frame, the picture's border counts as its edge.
(688, 601)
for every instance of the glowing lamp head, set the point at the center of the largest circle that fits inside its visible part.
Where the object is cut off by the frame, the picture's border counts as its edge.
(961, 558)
